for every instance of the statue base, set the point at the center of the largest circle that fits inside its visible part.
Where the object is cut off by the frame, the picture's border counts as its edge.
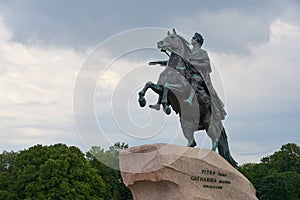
(171, 172)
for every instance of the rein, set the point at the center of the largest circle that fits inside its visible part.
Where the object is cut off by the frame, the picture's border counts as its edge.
(189, 66)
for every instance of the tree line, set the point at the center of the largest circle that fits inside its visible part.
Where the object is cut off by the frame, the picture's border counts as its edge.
(61, 172)
(277, 176)
(64, 172)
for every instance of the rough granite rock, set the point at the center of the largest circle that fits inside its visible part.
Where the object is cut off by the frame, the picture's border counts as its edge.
(171, 172)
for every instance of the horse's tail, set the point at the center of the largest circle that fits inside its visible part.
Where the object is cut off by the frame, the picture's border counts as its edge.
(223, 149)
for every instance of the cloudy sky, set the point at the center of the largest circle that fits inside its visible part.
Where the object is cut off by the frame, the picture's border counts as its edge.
(70, 71)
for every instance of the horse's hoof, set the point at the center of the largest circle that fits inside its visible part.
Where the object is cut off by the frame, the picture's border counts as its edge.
(155, 107)
(167, 110)
(142, 101)
(192, 144)
(214, 147)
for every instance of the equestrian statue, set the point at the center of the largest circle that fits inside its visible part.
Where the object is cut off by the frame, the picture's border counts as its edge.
(185, 86)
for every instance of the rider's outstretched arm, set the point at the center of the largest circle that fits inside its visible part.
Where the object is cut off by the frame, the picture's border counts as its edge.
(162, 63)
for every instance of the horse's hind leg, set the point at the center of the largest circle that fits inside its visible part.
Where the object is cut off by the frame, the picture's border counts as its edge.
(142, 100)
(214, 145)
(189, 126)
(164, 101)
(214, 132)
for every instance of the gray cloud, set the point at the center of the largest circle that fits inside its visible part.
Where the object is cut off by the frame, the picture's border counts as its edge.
(74, 23)
(78, 25)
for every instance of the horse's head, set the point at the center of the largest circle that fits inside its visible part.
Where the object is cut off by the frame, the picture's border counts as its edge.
(174, 43)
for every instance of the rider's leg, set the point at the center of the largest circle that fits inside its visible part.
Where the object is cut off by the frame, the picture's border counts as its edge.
(192, 93)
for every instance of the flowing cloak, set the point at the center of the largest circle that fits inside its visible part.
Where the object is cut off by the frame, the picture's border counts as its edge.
(199, 59)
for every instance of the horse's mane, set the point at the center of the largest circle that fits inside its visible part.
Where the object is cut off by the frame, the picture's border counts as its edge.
(185, 44)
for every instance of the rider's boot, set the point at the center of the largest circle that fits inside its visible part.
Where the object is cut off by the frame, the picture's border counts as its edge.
(189, 100)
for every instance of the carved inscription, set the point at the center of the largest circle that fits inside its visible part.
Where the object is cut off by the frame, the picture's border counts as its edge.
(211, 179)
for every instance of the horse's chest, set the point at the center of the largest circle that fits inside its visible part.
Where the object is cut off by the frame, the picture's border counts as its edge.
(171, 76)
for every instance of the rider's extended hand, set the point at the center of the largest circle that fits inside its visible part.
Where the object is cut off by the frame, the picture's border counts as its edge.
(153, 63)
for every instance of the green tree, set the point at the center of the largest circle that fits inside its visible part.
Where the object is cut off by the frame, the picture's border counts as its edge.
(107, 165)
(7, 195)
(277, 176)
(278, 186)
(7, 162)
(56, 172)
(287, 159)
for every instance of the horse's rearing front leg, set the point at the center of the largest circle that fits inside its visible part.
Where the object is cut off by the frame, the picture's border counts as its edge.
(142, 100)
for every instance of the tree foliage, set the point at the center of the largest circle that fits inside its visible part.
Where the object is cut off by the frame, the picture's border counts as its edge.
(52, 172)
(62, 172)
(107, 165)
(7, 163)
(278, 175)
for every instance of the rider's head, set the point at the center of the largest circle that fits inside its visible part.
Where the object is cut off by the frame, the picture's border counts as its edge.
(198, 38)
